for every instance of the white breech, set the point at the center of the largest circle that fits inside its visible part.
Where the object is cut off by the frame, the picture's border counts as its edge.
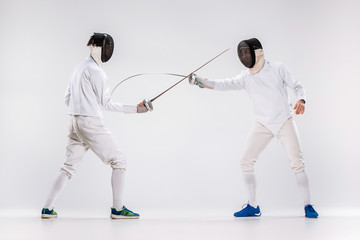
(261, 136)
(90, 132)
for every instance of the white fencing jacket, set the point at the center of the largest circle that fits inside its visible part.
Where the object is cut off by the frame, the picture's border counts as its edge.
(87, 93)
(267, 90)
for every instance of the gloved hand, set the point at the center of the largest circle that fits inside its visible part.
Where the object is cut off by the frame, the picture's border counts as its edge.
(199, 81)
(196, 80)
(141, 108)
(144, 106)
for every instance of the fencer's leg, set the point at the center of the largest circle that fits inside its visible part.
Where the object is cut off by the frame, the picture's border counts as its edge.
(75, 151)
(289, 137)
(101, 141)
(105, 146)
(258, 139)
(118, 184)
(58, 186)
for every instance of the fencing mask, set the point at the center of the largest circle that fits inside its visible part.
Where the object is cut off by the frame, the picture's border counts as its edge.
(246, 51)
(102, 46)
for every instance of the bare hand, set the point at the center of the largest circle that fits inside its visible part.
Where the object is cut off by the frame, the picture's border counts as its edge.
(299, 107)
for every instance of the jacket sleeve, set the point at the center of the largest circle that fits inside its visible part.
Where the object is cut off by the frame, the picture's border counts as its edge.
(102, 91)
(67, 95)
(292, 83)
(235, 83)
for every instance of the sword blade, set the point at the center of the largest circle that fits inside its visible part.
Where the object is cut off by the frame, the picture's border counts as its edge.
(190, 74)
(142, 74)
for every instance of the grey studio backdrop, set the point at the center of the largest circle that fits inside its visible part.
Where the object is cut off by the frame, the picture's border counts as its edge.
(183, 158)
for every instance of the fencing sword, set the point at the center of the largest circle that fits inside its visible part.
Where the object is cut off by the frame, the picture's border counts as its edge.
(148, 103)
(142, 74)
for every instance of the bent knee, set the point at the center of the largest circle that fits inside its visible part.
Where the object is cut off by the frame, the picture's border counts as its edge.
(298, 166)
(119, 164)
(70, 172)
(247, 164)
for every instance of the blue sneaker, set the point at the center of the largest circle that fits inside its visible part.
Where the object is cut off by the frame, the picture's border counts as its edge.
(310, 212)
(46, 213)
(248, 211)
(123, 213)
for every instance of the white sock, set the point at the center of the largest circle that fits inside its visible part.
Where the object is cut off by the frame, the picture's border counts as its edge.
(118, 183)
(251, 185)
(59, 184)
(303, 183)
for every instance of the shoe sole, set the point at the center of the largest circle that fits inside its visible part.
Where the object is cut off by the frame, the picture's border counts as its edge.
(47, 216)
(247, 216)
(255, 215)
(113, 216)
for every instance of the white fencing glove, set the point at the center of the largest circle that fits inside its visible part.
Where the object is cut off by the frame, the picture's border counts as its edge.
(144, 106)
(199, 81)
(141, 108)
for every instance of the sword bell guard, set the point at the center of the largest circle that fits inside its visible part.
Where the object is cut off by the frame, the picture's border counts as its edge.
(192, 79)
(148, 104)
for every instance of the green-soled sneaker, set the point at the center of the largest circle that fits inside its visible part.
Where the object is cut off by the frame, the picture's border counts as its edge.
(124, 213)
(46, 213)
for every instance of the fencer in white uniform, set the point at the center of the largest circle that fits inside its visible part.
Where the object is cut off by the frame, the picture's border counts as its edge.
(87, 95)
(267, 84)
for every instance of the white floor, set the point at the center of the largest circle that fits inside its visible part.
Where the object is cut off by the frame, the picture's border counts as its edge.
(265, 227)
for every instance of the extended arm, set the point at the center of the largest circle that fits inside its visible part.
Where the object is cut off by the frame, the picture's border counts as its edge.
(235, 83)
